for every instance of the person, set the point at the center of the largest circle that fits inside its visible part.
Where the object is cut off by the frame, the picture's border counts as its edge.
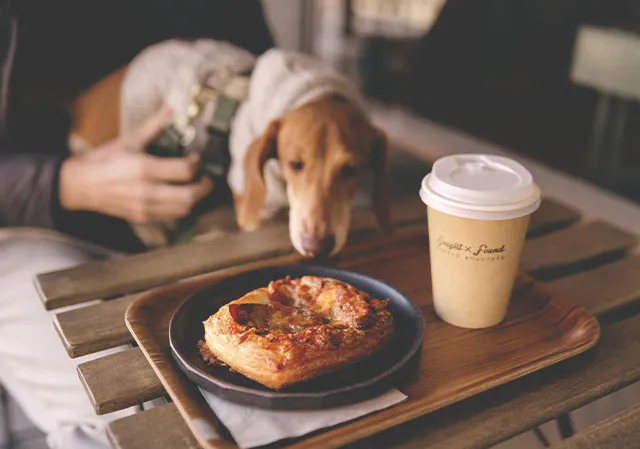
(58, 210)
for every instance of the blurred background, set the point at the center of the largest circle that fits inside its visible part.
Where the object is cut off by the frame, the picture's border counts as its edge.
(556, 80)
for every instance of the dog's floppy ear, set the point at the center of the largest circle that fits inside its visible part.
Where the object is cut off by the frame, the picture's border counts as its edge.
(263, 148)
(380, 166)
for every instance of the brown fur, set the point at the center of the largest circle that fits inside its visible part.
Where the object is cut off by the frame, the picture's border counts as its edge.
(95, 114)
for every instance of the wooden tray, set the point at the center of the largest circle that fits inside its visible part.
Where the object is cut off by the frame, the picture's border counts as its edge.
(456, 363)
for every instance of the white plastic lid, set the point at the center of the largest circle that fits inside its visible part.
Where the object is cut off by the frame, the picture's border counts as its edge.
(480, 186)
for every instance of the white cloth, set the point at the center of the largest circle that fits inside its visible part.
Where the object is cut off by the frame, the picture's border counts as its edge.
(166, 72)
(34, 367)
(281, 81)
(268, 426)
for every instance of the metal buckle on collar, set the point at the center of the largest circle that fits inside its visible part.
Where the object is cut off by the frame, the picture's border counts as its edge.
(227, 90)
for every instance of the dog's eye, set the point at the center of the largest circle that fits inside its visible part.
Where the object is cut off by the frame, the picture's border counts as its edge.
(296, 165)
(348, 171)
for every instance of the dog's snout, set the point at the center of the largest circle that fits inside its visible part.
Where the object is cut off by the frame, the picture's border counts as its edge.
(318, 246)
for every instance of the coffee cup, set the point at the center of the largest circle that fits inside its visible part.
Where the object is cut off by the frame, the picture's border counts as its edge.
(478, 209)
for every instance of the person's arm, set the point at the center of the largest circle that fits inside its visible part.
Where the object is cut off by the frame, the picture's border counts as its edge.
(28, 182)
(27, 189)
(29, 196)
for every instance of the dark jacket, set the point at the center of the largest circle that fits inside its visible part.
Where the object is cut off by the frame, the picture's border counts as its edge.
(61, 47)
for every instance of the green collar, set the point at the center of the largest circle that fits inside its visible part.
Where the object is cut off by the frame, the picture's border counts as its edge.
(229, 91)
(214, 103)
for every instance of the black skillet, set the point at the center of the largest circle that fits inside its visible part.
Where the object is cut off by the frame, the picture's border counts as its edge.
(389, 367)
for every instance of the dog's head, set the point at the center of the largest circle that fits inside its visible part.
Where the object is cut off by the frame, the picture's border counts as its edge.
(322, 147)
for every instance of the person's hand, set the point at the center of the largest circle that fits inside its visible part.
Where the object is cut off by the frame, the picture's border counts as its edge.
(121, 180)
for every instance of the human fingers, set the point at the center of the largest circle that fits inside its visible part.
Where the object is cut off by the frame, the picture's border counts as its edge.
(177, 170)
(161, 202)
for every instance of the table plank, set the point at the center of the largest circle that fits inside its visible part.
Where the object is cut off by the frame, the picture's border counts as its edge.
(168, 430)
(509, 410)
(606, 288)
(93, 328)
(552, 216)
(119, 380)
(574, 248)
(621, 431)
(102, 279)
(498, 414)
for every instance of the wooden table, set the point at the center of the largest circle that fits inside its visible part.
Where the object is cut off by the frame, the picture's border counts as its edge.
(589, 260)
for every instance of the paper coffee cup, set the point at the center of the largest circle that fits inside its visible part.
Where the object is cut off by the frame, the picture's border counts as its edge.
(478, 210)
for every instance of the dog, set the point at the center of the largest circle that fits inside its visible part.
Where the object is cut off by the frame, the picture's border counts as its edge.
(298, 133)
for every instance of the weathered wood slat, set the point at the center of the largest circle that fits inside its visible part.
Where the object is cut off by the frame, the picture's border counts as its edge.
(574, 248)
(93, 328)
(119, 380)
(509, 410)
(102, 279)
(551, 216)
(491, 417)
(160, 427)
(621, 431)
(605, 288)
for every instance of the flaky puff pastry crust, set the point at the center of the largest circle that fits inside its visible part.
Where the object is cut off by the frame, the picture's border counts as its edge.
(296, 329)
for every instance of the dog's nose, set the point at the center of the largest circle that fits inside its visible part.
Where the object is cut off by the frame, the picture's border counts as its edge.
(318, 246)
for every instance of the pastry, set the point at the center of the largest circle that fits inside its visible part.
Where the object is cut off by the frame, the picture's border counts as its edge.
(295, 330)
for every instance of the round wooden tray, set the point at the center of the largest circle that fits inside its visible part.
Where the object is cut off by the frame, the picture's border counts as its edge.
(357, 382)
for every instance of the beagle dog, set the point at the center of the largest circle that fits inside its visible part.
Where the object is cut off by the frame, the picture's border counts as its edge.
(298, 134)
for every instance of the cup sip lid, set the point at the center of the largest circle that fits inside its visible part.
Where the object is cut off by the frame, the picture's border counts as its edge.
(480, 186)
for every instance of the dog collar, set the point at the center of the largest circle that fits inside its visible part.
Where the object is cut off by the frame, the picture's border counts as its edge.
(214, 103)
(224, 91)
